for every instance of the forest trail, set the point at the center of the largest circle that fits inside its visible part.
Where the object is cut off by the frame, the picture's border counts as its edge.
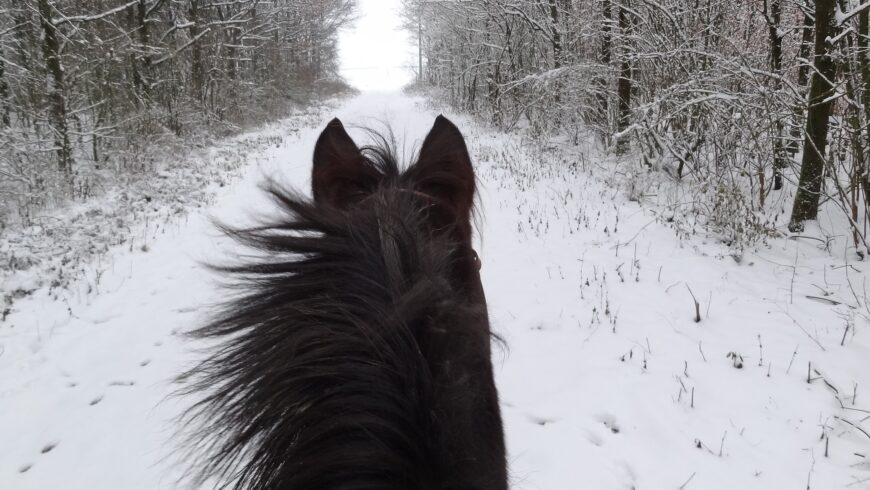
(606, 382)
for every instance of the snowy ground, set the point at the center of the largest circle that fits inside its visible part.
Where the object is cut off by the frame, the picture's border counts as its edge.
(607, 381)
(61, 245)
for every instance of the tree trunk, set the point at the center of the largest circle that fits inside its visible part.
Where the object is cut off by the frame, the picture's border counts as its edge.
(420, 44)
(141, 64)
(557, 35)
(803, 76)
(556, 42)
(197, 73)
(858, 170)
(5, 106)
(233, 52)
(806, 202)
(623, 87)
(23, 39)
(606, 49)
(774, 17)
(56, 90)
(864, 67)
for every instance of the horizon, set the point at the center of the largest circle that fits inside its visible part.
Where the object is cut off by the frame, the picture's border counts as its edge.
(375, 53)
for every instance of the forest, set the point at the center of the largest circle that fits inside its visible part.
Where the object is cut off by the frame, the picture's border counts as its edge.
(760, 106)
(405, 244)
(89, 88)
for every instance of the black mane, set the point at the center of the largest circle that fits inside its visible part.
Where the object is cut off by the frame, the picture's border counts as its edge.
(347, 359)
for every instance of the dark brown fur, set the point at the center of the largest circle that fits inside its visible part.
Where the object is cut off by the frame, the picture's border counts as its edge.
(357, 355)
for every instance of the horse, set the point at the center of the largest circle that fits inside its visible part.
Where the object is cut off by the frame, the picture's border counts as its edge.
(356, 353)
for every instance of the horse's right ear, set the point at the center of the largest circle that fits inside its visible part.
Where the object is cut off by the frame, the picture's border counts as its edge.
(340, 174)
(443, 169)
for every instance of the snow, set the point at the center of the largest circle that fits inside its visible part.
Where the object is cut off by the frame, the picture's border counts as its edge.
(375, 52)
(606, 381)
(842, 17)
(63, 243)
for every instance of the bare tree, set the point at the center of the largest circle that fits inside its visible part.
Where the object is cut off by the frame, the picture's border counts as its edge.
(773, 17)
(88, 82)
(806, 202)
(56, 87)
(623, 86)
(709, 92)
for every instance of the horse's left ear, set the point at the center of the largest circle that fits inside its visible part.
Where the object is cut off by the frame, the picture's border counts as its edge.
(443, 169)
(340, 175)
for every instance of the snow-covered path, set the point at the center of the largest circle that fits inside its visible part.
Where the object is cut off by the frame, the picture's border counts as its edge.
(606, 382)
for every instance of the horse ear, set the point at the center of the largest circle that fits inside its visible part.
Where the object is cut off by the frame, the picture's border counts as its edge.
(443, 169)
(340, 174)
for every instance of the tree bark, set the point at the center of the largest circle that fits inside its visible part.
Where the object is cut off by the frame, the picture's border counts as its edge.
(864, 67)
(142, 63)
(606, 49)
(557, 35)
(774, 17)
(806, 202)
(24, 38)
(56, 89)
(803, 77)
(623, 86)
(557, 47)
(197, 73)
(5, 105)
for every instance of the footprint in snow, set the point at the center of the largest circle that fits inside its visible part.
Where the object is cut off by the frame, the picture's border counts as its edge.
(539, 420)
(145, 362)
(48, 447)
(594, 438)
(25, 468)
(540, 327)
(105, 319)
(630, 473)
(96, 400)
(609, 421)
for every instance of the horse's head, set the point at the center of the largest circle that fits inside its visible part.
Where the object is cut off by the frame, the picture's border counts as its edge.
(441, 181)
(359, 356)
(425, 209)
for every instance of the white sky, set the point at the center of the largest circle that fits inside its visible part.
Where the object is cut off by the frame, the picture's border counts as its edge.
(376, 54)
